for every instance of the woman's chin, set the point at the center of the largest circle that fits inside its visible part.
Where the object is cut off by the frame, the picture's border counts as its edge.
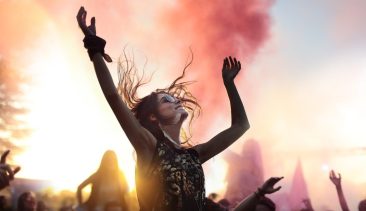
(184, 116)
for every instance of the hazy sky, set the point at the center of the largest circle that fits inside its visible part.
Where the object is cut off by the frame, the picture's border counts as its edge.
(302, 84)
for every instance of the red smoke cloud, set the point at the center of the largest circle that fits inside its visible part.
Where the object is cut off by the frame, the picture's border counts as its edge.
(216, 29)
(220, 28)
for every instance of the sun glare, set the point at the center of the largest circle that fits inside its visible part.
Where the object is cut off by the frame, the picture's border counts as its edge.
(70, 133)
(216, 171)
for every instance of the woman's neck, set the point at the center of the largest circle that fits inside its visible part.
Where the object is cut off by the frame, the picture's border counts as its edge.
(173, 131)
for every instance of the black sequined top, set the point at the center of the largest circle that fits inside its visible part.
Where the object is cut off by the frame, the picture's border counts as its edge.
(174, 181)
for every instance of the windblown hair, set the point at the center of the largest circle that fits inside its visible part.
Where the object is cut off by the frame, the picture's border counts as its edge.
(129, 81)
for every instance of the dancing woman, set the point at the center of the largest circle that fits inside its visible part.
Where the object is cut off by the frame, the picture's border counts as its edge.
(168, 175)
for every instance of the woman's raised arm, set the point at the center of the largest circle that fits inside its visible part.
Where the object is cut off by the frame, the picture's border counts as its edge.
(250, 202)
(337, 182)
(141, 139)
(239, 120)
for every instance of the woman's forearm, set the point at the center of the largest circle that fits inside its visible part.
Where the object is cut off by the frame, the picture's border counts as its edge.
(248, 204)
(238, 115)
(142, 140)
(104, 76)
(342, 199)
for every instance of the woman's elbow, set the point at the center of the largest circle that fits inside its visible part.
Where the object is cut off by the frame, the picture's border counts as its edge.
(78, 191)
(242, 123)
(245, 123)
(242, 127)
(246, 126)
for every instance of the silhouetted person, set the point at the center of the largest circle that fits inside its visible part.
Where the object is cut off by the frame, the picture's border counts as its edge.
(27, 202)
(41, 206)
(245, 171)
(4, 204)
(108, 186)
(362, 205)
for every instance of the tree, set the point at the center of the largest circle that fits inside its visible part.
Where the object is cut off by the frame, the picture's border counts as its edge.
(12, 127)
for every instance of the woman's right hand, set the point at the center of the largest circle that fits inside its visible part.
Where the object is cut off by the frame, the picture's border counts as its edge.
(81, 18)
(268, 186)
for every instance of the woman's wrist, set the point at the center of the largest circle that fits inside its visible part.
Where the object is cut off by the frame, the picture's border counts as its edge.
(259, 193)
(228, 82)
(95, 45)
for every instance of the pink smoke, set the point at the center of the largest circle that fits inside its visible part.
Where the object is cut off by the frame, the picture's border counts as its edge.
(299, 191)
(214, 30)
(347, 22)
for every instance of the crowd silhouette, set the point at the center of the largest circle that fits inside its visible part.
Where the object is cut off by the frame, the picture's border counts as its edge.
(109, 187)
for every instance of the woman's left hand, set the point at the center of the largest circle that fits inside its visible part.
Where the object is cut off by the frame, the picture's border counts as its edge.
(230, 69)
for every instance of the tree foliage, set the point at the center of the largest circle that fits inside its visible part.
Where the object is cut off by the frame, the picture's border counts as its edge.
(13, 128)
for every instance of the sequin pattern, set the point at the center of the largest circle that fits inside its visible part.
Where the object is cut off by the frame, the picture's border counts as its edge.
(181, 178)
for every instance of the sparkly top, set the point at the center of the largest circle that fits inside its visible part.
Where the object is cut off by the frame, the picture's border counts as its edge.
(174, 181)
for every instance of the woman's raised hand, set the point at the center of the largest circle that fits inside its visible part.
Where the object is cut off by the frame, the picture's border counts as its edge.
(230, 69)
(6, 172)
(336, 180)
(268, 186)
(81, 18)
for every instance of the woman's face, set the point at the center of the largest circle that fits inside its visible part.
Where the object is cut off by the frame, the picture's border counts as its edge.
(170, 109)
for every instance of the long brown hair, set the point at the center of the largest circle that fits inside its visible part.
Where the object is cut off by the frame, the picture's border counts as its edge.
(129, 81)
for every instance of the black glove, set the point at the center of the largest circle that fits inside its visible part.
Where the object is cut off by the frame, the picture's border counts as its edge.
(95, 44)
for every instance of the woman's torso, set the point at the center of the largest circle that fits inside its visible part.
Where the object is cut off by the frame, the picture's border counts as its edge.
(174, 180)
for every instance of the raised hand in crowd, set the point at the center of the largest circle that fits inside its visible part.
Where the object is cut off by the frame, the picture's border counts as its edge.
(6, 171)
(253, 201)
(337, 182)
